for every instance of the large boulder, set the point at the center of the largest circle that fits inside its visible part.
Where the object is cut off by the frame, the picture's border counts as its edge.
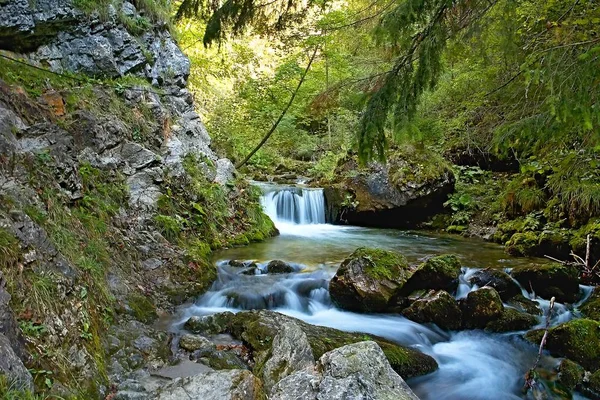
(355, 371)
(550, 280)
(437, 307)
(437, 273)
(570, 374)
(480, 307)
(511, 320)
(411, 186)
(506, 287)
(258, 330)
(367, 279)
(578, 340)
(591, 307)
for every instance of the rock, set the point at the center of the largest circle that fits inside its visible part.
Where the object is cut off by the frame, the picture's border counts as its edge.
(191, 342)
(8, 323)
(225, 171)
(437, 307)
(233, 384)
(407, 189)
(591, 307)
(258, 330)
(437, 273)
(480, 307)
(506, 287)
(12, 367)
(291, 352)
(570, 374)
(512, 320)
(367, 279)
(594, 383)
(524, 304)
(279, 267)
(548, 280)
(578, 340)
(219, 359)
(355, 371)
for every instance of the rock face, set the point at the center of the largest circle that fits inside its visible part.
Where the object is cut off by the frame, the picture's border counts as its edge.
(356, 371)
(579, 340)
(437, 307)
(367, 279)
(497, 279)
(548, 280)
(410, 187)
(480, 307)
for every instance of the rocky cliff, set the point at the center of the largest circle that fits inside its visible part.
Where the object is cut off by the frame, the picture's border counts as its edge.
(111, 198)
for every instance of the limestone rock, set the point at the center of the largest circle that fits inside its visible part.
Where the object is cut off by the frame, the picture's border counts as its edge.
(193, 342)
(12, 367)
(368, 279)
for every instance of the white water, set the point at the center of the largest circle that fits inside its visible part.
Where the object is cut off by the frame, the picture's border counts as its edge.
(472, 364)
(291, 207)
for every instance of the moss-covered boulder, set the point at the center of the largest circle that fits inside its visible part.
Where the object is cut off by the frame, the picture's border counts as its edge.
(367, 279)
(438, 307)
(594, 383)
(591, 307)
(481, 307)
(437, 273)
(523, 244)
(524, 304)
(578, 340)
(279, 267)
(512, 320)
(570, 374)
(506, 287)
(257, 329)
(548, 280)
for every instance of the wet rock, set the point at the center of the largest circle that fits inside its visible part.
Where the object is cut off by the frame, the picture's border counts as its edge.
(437, 273)
(512, 320)
(524, 304)
(219, 359)
(291, 352)
(480, 307)
(357, 371)
(591, 307)
(578, 340)
(506, 287)
(191, 342)
(279, 267)
(548, 280)
(438, 307)
(367, 280)
(12, 367)
(570, 374)
(258, 329)
(209, 325)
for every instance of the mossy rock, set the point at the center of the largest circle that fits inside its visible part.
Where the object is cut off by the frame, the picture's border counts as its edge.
(257, 329)
(142, 308)
(570, 374)
(591, 307)
(524, 304)
(279, 267)
(367, 280)
(438, 307)
(594, 383)
(578, 340)
(481, 307)
(504, 284)
(437, 273)
(512, 320)
(550, 280)
(523, 244)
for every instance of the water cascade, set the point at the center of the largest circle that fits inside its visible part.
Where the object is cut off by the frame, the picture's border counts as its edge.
(293, 205)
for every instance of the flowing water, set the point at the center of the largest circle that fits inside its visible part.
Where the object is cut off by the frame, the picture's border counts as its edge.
(472, 364)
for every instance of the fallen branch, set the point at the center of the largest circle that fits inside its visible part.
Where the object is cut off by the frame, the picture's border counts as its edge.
(530, 382)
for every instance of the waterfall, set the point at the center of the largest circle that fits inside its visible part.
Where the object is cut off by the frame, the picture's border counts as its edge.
(292, 205)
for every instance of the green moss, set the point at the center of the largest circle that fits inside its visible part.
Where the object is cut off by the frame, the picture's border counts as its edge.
(579, 340)
(551, 279)
(481, 307)
(511, 320)
(383, 264)
(437, 273)
(594, 382)
(142, 308)
(570, 374)
(523, 244)
(591, 308)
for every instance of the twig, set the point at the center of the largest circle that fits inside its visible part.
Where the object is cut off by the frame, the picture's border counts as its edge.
(530, 382)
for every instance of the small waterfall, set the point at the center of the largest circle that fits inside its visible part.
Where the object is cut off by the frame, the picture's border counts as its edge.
(291, 205)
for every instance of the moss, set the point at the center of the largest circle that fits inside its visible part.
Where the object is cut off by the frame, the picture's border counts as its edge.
(438, 273)
(481, 307)
(511, 320)
(407, 362)
(523, 244)
(570, 374)
(439, 308)
(524, 304)
(591, 307)
(594, 382)
(9, 249)
(383, 264)
(552, 279)
(142, 308)
(579, 340)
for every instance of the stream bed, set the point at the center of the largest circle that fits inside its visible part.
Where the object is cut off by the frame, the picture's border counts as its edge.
(473, 364)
